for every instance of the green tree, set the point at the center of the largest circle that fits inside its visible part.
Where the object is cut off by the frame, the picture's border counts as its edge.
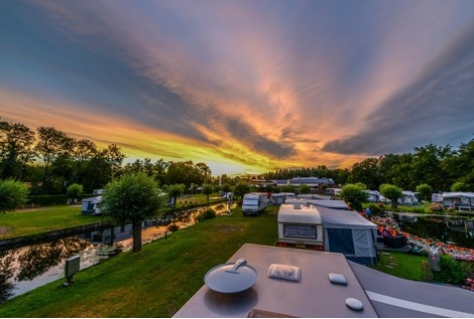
(13, 194)
(226, 188)
(304, 189)
(174, 191)
(459, 187)
(354, 195)
(391, 192)
(132, 198)
(74, 190)
(83, 152)
(51, 145)
(103, 167)
(204, 170)
(207, 190)
(366, 172)
(425, 191)
(16, 149)
(240, 190)
(184, 173)
(426, 166)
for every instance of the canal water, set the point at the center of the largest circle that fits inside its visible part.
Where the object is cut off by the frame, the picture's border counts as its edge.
(38, 264)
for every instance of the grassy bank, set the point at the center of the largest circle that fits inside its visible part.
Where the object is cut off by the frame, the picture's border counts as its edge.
(24, 223)
(155, 282)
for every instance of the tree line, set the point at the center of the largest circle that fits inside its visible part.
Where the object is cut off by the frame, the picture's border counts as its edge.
(443, 168)
(51, 161)
(64, 160)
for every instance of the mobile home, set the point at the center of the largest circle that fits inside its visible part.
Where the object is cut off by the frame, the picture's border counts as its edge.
(300, 226)
(254, 203)
(91, 205)
(329, 229)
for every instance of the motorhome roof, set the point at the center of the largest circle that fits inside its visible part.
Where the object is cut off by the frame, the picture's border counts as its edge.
(296, 213)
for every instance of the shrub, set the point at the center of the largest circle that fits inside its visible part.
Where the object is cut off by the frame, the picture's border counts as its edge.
(74, 190)
(452, 272)
(173, 227)
(207, 214)
(13, 194)
(436, 207)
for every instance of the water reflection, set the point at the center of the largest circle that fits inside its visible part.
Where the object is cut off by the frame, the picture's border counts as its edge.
(6, 274)
(37, 259)
(455, 230)
(24, 268)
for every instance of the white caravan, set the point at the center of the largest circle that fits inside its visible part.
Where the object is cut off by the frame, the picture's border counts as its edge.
(300, 226)
(254, 203)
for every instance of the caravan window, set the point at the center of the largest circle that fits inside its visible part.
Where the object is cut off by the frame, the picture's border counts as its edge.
(251, 202)
(299, 231)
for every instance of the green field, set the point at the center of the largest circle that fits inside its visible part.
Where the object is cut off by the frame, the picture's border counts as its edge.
(401, 265)
(24, 223)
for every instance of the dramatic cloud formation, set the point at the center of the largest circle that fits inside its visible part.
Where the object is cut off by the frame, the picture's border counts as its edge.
(244, 86)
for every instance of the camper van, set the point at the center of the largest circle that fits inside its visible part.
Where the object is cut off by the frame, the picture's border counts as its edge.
(254, 203)
(300, 226)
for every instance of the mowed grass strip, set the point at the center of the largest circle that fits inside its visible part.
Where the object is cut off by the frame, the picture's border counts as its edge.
(24, 223)
(155, 282)
(403, 265)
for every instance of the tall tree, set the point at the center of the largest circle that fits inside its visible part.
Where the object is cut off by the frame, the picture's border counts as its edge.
(51, 145)
(391, 192)
(426, 166)
(207, 190)
(102, 168)
(354, 195)
(114, 157)
(366, 172)
(205, 171)
(132, 198)
(16, 149)
(83, 151)
(174, 191)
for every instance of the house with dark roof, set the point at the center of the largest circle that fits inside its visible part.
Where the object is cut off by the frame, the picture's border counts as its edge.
(314, 183)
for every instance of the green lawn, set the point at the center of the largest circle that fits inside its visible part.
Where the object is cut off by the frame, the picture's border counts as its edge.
(155, 282)
(401, 265)
(23, 223)
(41, 220)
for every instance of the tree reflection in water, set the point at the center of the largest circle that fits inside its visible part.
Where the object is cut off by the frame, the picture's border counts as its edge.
(34, 261)
(6, 274)
(39, 258)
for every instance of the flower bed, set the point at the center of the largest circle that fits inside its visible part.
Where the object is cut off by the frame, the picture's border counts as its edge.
(388, 226)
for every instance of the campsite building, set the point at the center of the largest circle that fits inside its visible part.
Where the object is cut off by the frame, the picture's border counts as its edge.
(314, 183)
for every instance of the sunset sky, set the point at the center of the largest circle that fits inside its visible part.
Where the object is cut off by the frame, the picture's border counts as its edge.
(243, 86)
